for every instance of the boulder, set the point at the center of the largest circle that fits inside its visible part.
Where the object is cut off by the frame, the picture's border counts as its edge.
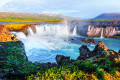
(60, 59)
(119, 51)
(89, 41)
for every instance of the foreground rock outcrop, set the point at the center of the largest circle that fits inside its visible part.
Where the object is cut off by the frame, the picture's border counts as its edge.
(60, 59)
(100, 50)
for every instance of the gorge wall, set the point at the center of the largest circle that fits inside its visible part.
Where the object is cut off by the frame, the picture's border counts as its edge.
(97, 28)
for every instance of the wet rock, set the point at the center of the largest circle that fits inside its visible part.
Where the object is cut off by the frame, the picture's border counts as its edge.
(60, 59)
(32, 26)
(72, 39)
(89, 41)
(85, 53)
(83, 50)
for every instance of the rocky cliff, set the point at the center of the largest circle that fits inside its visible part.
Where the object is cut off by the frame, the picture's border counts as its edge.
(97, 28)
(20, 27)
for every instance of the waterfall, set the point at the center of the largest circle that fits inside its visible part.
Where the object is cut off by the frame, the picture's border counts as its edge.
(30, 31)
(101, 33)
(74, 31)
(52, 30)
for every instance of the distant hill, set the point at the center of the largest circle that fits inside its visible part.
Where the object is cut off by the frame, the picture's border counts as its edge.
(108, 16)
(29, 17)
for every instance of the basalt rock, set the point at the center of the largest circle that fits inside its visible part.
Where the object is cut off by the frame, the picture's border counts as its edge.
(85, 53)
(100, 50)
(60, 59)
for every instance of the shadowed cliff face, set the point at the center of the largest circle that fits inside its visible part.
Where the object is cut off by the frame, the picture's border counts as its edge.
(97, 28)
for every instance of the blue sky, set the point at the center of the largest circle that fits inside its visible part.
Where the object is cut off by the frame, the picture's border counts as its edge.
(75, 8)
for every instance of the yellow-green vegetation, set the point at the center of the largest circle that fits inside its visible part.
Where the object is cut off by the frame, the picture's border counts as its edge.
(16, 27)
(100, 68)
(27, 17)
(92, 69)
(115, 36)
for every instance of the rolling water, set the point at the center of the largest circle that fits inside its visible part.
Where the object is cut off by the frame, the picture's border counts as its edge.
(52, 39)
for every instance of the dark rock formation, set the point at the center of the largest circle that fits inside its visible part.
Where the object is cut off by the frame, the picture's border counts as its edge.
(84, 50)
(100, 51)
(89, 41)
(85, 53)
(60, 59)
(119, 51)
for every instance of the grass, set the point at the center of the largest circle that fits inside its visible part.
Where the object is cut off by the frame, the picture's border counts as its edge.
(102, 68)
(15, 27)
(93, 69)
(27, 17)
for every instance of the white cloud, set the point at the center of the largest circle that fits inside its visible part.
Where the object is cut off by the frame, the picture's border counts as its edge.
(3, 3)
(80, 8)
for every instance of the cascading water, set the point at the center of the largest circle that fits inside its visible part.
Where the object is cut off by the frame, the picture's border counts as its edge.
(48, 41)
(75, 31)
(30, 31)
(101, 34)
(52, 39)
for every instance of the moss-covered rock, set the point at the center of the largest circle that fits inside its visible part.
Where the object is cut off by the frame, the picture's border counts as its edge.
(89, 41)
(12, 55)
